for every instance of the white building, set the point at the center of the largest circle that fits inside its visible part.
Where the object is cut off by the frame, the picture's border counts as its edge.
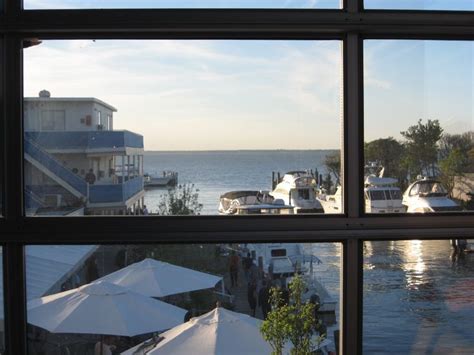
(67, 139)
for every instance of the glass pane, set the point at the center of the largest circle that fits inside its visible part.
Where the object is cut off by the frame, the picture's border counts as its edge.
(140, 292)
(461, 5)
(418, 298)
(182, 127)
(419, 132)
(108, 4)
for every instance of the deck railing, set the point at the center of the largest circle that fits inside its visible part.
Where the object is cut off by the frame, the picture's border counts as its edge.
(115, 192)
(86, 140)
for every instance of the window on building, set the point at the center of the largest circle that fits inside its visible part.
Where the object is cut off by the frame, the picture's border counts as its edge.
(196, 122)
(426, 283)
(424, 91)
(185, 280)
(183, 4)
(235, 75)
(459, 5)
(100, 124)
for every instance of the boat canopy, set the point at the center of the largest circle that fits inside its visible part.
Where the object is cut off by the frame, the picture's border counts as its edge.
(297, 172)
(375, 180)
(231, 195)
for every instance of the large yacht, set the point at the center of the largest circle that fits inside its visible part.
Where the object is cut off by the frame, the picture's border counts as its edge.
(381, 195)
(427, 195)
(297, 189)
(281, 261)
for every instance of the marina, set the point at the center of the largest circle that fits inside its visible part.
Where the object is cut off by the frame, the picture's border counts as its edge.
(78, 164)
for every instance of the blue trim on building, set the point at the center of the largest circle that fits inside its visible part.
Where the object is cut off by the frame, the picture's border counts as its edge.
(115, 192)
(86, 140)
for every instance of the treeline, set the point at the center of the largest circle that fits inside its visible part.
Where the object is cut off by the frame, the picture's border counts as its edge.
(425, 150)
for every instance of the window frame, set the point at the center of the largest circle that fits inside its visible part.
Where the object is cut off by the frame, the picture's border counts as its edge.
(351, 24)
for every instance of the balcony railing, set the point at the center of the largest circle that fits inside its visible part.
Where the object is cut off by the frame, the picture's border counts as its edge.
(115, 192)
(86, 140)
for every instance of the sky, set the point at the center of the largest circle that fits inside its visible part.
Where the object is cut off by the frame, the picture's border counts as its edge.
(370, 4)
(202, 95)
(236, 94)
(408, 80)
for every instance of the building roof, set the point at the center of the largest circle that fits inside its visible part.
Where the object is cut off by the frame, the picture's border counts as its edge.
(47, 265)
(71, 99)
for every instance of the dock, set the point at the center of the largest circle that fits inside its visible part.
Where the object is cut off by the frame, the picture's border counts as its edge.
(239, 293)
(167, 179)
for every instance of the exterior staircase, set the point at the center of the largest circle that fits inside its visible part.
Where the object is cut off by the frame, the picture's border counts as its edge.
(53, 168)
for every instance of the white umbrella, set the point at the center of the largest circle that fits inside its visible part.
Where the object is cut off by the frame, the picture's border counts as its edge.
(103, 308)
(218, 332)
(158, 279)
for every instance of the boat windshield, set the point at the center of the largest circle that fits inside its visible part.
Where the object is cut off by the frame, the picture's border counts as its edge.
(377, 195)
(278, 252)
(303, 194)
(428, 188)
(396, 194)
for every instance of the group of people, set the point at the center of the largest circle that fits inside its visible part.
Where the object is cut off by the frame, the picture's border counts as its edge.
(258, 287)
(138, 211)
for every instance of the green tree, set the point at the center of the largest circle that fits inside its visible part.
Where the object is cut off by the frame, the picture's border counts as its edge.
(332, 162)
(275, 328)
(295, 322)
(450, 167)
(327, 183)
(462, 142)
(389, 153)
(182, 201)
(421, 147)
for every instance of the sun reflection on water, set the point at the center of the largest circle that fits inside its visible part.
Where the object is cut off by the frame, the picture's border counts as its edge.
(414, 265)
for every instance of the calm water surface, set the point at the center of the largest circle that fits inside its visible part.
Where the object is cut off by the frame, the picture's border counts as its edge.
(215, 173)
(418, 297)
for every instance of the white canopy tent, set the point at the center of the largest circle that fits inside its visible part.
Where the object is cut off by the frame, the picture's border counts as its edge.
(105, 309)
(155, 278)
(217, 332)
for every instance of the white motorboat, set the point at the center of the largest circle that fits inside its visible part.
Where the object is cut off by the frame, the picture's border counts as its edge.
(427, 195)
(281, 261)
(251, 202)
(382, 196)
(297, 189)
(331, 203)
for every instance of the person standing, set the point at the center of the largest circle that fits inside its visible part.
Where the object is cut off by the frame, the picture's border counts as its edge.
(252, 297)
(92, 272)
(247, 264)
(90, 177)
(104, 347)
(234, 269)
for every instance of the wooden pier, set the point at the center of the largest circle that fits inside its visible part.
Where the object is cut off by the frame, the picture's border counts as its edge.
(239, 294)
